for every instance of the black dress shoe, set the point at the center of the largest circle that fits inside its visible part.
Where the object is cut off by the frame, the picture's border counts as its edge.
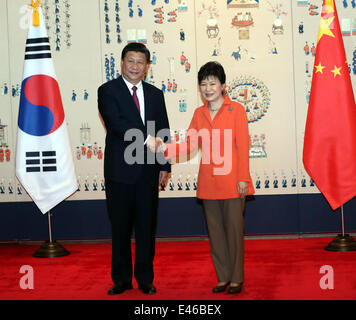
(120, 287)
(235, 289)
(221, 288)
(147, 288)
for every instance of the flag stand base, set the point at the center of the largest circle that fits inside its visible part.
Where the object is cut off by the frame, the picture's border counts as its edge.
(51, 250)
(342, 243)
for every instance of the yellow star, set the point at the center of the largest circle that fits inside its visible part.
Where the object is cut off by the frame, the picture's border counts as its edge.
(324, 27)
(319, 68)
(336, 71)
(329, 6)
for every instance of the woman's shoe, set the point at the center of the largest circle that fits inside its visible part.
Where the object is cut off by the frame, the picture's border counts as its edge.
(221, 288)
(235, 289)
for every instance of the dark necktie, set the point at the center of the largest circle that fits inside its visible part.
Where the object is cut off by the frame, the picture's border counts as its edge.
(134, 96)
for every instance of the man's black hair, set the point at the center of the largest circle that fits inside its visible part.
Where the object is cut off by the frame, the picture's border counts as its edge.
(136, 47)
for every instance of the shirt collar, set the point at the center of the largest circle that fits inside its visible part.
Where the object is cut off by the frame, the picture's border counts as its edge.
(226, 101)
(130, 85)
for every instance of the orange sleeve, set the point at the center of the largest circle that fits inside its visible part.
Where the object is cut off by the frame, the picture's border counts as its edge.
(242, 140)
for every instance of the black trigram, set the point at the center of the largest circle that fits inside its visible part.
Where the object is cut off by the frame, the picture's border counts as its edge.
(37, 163)
(37, 48)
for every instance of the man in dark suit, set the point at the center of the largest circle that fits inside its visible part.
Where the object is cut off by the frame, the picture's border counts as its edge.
(133, 112)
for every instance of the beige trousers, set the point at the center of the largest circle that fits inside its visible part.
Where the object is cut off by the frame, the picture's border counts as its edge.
(225, 224)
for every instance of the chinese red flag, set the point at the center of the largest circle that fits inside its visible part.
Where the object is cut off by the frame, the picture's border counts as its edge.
(329, 153)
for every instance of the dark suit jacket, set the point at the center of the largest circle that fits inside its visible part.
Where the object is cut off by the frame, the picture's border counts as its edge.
(120, 114)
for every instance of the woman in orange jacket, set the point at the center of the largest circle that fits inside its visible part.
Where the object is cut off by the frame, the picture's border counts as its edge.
(220, 129)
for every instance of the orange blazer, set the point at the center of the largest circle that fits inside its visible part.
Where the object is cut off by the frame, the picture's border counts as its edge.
(224, 142)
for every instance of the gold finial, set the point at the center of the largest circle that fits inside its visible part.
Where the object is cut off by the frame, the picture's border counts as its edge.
(35, 15)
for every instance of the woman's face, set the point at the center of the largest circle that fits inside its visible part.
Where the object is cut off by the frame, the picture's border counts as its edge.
(211, 89)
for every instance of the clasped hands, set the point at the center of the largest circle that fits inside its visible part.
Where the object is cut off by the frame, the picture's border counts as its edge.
(156, 144)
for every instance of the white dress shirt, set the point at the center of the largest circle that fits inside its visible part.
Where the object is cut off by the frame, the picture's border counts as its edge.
(140, 97)
(141, 100)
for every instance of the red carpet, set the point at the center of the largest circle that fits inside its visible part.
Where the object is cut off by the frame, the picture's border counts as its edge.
(286, 269)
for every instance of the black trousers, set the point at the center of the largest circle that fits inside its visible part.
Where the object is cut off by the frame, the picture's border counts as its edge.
(133, 207)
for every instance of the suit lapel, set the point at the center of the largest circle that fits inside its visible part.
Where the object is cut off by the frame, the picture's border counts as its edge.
(206, 113)
(147, 98)
(125, 96)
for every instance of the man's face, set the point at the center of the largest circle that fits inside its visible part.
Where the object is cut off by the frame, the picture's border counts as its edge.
(134, 67)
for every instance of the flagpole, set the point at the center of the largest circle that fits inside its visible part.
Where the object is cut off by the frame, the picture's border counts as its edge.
(331, 85)
(46, 139)
(342, 221)
(51, 249)
(342, 242)
(49, 226)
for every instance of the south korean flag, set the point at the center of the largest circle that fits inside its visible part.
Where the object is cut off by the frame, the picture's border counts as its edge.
(44, 163)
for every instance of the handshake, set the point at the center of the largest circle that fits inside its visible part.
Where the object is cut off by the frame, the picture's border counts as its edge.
(156, 144)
